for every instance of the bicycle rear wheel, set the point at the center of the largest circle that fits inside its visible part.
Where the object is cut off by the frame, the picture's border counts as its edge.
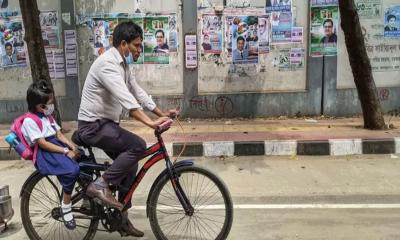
(40, 211)
(212, 203)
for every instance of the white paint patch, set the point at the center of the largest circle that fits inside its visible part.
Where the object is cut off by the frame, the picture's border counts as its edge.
(289, 206)
(280, 148)
(340, 147)
(220, 148)
(397, 145)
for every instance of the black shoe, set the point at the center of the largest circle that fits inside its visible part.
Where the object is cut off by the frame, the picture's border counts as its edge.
(71, 225)
(127, 228)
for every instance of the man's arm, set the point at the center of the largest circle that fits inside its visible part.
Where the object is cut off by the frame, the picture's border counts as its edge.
(139, 115)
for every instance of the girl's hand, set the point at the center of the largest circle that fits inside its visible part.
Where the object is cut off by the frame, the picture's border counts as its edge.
(73, 155)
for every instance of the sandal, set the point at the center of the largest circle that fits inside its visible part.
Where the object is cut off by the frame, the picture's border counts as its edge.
(71, 225)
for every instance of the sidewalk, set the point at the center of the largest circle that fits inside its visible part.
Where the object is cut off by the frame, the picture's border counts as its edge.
(246, 137)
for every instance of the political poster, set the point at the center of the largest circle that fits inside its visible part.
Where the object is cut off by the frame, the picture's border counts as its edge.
(211, 34)
(50, 31)
(12, 46)
(243, 39)
(392, 22)
(281, 27)
(264, 33)
(278, 5)
(156, 33)
(323, 31)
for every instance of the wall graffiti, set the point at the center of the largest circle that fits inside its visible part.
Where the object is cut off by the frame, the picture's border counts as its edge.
(384, 94)
(223, 105)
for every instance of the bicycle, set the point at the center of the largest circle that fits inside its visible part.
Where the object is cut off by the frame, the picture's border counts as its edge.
(186, 201)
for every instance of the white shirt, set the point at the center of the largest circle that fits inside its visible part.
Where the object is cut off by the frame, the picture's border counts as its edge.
(109, 88)
(31, 130)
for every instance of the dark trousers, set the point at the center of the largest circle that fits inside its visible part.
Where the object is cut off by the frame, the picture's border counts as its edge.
(124, 147)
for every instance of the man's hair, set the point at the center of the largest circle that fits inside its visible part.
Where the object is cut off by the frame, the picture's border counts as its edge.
(38, 93)
(161, 31)
(328, 20)
(127, 31)
(7, 45)
(240, 38)
(390, 17)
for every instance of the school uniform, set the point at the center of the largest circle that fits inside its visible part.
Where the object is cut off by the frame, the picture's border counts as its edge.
(50, 163)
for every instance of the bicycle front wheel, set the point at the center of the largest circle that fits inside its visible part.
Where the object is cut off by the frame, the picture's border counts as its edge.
(212, 203)
(40, 211)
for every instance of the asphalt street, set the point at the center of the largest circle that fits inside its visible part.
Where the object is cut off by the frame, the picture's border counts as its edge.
(355, 197)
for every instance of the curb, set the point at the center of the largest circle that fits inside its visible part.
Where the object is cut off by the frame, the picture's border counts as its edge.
(332, 147)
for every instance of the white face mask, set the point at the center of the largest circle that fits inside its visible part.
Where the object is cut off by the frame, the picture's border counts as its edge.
(49, 109)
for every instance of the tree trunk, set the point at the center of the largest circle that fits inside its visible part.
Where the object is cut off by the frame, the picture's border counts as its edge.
(361, 66)
(34, 41)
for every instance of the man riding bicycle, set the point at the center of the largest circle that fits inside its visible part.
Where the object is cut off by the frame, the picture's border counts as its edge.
(109, 88)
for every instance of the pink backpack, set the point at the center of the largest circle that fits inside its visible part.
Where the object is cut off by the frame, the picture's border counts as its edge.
(17, 140)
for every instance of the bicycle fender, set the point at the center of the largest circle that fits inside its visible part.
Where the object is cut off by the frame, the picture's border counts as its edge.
(183, 163)
(34, 174)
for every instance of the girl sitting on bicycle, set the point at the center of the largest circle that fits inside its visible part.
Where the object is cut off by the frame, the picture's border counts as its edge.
(55, 154)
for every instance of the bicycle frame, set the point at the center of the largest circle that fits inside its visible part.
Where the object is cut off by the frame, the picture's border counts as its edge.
(159, 152)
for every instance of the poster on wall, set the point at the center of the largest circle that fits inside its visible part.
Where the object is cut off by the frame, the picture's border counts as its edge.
(291, 59)
(297, 34)
(281, 27)
(323, 3)
(278, 5)
(191, 51)
(156, 33)
(242, 40)
(392, 22)
(50, 30)
(264, 33)
(12, 46)
(55, 61)
(211, 34)
(324, 25)
(71, 53)
(173, 34)
(369, 9)
(102, 33)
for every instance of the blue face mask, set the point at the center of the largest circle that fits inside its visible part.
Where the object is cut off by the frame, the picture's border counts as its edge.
(129, 59)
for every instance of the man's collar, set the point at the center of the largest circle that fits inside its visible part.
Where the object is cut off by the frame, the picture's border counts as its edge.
(116, 53)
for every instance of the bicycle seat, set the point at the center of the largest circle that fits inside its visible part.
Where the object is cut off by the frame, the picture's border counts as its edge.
(78, 141)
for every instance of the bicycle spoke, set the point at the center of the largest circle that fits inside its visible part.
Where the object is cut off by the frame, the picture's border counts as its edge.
(41, 200)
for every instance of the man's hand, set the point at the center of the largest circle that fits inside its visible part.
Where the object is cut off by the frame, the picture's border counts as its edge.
(172, 113)
(158, 122)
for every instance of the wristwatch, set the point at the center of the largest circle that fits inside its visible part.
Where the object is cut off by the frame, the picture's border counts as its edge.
(66, 151)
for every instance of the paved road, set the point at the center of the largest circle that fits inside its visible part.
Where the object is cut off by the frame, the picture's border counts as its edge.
(282, 198)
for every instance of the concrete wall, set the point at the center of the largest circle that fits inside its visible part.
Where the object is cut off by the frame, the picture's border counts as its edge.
(156, 79)
(324, 86)
(15, 81)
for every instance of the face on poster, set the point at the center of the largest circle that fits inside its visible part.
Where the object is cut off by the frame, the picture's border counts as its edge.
(281, 27)
(323, 38)
(50, 30)
(264, 34)
(48, 18)
(244, 39)
(392, 22)
(211, 34)
(12, 47)
(156, 33)
(102, 33)
(278, 5)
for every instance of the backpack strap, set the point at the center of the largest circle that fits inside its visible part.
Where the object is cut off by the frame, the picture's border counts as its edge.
(38, 121)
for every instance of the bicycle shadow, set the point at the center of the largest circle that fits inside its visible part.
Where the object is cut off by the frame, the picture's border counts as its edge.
(11, 229)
